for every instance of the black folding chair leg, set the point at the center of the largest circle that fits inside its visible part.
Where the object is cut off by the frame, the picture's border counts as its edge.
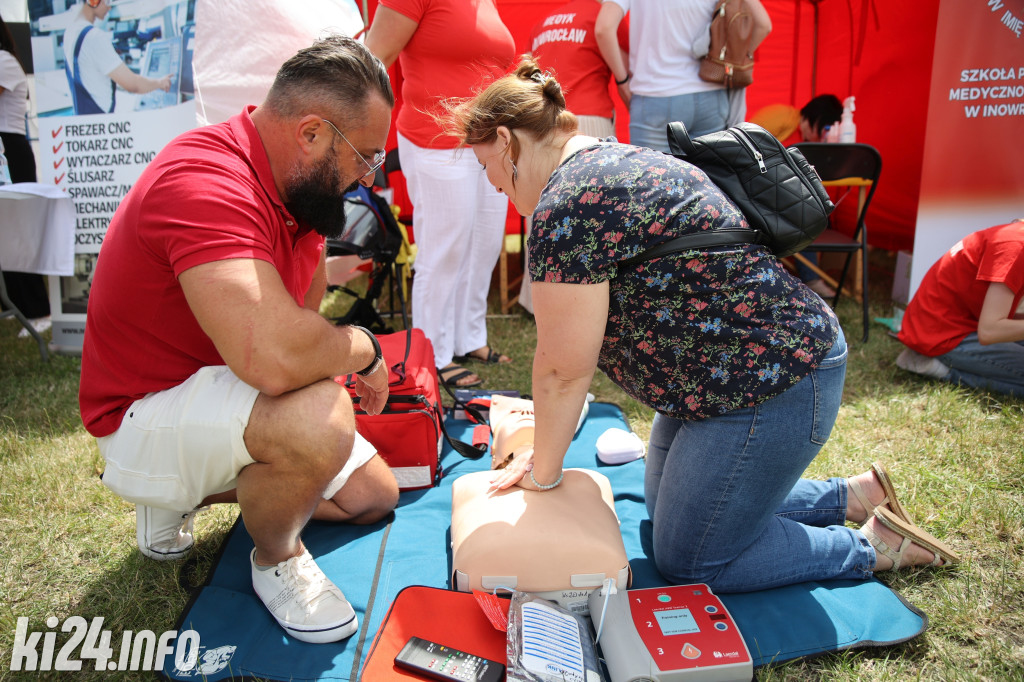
(865, 299)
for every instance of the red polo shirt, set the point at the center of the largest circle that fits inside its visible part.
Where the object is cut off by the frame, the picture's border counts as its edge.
(208, 196)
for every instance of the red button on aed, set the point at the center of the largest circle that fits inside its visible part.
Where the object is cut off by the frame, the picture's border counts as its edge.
(690, 651)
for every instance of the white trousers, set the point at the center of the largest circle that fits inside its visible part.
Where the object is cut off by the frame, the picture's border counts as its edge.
(458, 225)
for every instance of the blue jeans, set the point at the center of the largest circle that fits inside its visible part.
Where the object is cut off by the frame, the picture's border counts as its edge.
(996, 367)
(727, 502)
(701, 112)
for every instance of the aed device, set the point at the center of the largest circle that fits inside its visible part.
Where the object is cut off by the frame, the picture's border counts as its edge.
(681, 633)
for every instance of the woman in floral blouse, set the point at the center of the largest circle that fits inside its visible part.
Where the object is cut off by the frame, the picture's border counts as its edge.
(743, 364)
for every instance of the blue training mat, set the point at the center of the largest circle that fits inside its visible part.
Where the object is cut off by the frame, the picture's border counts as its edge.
(371, 564)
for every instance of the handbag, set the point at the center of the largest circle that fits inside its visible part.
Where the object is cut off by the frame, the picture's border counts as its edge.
(729, 58)
(776, 189)
(409, 432)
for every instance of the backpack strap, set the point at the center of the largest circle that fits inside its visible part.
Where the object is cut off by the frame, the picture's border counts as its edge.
(681, 145)
(463, 448)
(679, 142)
(724, 236)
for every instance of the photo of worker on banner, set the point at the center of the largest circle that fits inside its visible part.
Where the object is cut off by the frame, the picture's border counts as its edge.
(112, 56)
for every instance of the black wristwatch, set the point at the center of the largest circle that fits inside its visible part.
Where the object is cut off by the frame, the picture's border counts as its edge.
(378, 356)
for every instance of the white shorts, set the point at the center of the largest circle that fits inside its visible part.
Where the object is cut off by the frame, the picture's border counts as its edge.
(176, 447)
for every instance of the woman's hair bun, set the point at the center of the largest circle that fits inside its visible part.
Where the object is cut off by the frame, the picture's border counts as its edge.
(551, 88)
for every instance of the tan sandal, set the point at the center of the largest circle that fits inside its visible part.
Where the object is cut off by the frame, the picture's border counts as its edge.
(882, 474)
(911, 534)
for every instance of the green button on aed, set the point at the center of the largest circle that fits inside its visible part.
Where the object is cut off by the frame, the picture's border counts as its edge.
(664, 598)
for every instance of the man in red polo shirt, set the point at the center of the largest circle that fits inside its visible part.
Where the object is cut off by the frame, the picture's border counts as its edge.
(206, 368)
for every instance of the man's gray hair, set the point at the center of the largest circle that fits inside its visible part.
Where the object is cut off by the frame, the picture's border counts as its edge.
(335, 75)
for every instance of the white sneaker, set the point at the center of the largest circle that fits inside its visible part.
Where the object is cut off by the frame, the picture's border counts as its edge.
(164, 534)
(303, 600)
(912, 361)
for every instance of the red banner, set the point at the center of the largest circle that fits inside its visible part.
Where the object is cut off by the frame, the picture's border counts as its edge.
(972, 176)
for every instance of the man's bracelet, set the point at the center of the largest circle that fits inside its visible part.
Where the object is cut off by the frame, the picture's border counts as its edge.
(378, 356)
(629, 74)
(548, 486)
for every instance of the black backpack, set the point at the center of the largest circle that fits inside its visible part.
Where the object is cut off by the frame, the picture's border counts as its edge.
(778, 191)
(371, 231)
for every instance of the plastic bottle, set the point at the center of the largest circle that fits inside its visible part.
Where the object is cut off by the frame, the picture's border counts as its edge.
(5, 172)
(847, 128)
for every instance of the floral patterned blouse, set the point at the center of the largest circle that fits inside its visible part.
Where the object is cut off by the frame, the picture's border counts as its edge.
(692, 334)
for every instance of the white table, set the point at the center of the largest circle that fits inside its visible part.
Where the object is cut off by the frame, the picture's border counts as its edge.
(37, 234)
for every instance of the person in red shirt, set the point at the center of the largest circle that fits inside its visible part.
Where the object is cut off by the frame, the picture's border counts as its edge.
(565, 42)
(447, 49)
(965, 323)
(206, 367)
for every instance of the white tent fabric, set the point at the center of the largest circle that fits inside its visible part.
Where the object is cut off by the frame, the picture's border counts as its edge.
(14, 10)
(240, 44)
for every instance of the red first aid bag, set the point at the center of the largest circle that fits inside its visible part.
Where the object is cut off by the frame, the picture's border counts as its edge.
(409, 432)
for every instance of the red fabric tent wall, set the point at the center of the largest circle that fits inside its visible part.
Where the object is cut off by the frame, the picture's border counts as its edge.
(880, 52)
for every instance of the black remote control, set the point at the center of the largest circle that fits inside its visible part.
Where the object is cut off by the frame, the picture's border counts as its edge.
(445, 663)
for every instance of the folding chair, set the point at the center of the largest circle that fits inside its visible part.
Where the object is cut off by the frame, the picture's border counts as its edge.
(393, 164)
(849, 166)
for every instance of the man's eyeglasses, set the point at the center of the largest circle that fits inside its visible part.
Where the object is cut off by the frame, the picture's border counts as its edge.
(378, 158)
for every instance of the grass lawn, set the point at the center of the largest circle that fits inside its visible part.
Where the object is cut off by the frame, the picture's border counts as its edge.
(957, 459)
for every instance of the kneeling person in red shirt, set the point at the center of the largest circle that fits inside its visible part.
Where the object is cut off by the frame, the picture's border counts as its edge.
(965, 323)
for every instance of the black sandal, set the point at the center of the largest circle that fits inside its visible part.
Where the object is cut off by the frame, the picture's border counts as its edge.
(451, 375)
(491, 359)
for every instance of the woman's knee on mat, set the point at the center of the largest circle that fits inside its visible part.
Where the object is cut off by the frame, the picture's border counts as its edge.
(678, 551)
(682, 568)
